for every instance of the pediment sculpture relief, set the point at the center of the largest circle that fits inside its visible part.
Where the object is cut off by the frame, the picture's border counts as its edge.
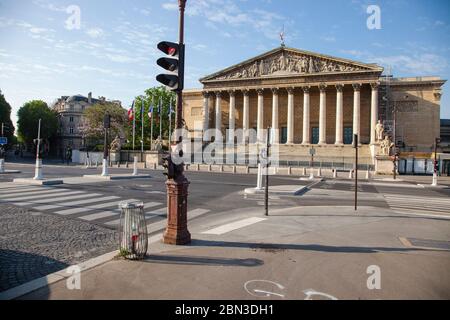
(286, 63)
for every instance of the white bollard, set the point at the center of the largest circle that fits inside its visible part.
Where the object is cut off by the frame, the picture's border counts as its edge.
(334, 173)
(104, 168)
(38, 170)
(368, 175)
(259, 179)
(434, 183)
(350, 174)
(304, 171)
(319, 172)
(2, 165)
(135, 166)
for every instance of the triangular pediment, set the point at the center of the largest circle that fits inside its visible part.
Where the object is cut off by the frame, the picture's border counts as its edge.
(285, 61)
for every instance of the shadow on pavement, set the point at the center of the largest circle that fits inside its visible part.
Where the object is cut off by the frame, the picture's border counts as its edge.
(274, 247)
(208, 261)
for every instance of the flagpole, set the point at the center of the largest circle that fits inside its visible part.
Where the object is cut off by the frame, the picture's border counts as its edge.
(170, 120)
(151, 125)
(142, 128)
(134, 124)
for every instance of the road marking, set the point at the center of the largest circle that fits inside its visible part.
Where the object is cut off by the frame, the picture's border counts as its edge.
(20, 190)
(86, 209)
(42, 198)
(48, 193)
(405, 212)
(46, 201)
(234, 226)
(405, 242)
(111, 213)
(86, 201)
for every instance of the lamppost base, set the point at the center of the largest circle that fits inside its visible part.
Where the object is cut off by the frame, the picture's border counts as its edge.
(177, 232)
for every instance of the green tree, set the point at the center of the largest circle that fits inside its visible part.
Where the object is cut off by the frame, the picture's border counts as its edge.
(28, 121)
(92, 125)
(157, 96)
(5, 118)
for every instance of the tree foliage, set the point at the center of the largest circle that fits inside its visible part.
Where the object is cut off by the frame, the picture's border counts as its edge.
(5, 118)
(92, 125)
(28, 121)
(153, 97)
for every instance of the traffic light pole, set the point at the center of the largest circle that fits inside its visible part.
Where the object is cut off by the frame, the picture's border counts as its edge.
(177, 185)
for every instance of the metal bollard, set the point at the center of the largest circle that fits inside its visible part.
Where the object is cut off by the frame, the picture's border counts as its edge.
(334, 173)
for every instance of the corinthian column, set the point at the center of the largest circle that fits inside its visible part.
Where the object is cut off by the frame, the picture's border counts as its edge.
(231, 115)
(323, 115)
(276, 137)
(356, 109)
(290, 116)
(245, 114)
(339, 115)
(218, 112)
(373, 112)
(306, 128)
(205, 114)
(260, 115)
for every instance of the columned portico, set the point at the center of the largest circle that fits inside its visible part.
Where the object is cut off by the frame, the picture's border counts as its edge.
(339, 115)
(276, 137)
(373, 112)
(205, 111)
(357, 109)
(260, 115)
(323, 114)
(218, 112)
(306, 114)
(231, 115)
(245, 113)
(290, 116)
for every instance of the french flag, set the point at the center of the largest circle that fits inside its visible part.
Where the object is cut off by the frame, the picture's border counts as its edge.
(150, 112)
(131, 112)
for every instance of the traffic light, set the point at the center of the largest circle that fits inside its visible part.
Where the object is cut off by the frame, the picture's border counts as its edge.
(174, 64)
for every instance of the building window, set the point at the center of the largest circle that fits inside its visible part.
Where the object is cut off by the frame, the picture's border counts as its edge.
(283, 134)
(71, 119)
(71, 130)
(315, 135)
(348, 135)
(71, 142)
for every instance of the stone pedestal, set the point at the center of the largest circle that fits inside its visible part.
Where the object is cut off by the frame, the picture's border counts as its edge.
(114, 157)
(384, 165)
(154, 157)
(177, 232)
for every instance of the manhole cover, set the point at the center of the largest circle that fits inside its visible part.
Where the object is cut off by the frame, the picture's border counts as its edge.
(427, 243)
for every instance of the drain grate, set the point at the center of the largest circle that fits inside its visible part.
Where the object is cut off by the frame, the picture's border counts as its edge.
(427, 243)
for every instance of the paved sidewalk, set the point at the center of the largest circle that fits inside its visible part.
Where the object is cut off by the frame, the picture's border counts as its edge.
(287, 255)
(35, 244)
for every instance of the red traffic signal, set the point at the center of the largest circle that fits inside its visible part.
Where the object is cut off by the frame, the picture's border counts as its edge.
(169, 48)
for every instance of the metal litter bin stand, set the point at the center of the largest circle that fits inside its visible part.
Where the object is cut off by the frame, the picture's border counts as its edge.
(133, 236)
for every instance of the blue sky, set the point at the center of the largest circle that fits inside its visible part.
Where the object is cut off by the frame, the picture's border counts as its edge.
(113, 53)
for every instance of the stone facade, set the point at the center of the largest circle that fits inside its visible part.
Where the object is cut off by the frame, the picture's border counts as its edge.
(316, 99)
(70, 112)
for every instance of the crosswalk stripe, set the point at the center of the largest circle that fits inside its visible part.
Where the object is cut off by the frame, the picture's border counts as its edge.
(20, 190)
(80, 202)
(409, 208)
(158, 212)
(87, 209)
(418, 206)
(50, 195)
(106, 214)
(47, 206)
(422, 202)
(418, 199)
(161, 224)
(46, 201)
(234, 226)
(442, 216)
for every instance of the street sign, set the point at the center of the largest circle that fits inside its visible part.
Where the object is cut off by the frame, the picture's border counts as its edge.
(3, 140)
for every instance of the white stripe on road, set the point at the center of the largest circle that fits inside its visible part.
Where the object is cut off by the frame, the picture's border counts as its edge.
(42, 197)
(87, 209)
(234, 226)
(106, 214)
(405, 212)
(46, 201)
(419, 207)
(80, 202)
(20, 190)
(52, 200)
(419, 202)
(418, 199)
(161, 224)
(42, 194)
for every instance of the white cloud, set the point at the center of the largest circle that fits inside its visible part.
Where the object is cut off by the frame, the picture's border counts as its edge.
(170, 6)
(95, 32)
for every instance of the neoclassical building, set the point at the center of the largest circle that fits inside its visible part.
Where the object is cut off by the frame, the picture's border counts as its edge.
(315, 100)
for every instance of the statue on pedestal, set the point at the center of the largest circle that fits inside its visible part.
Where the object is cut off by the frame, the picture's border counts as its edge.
(116, 145)
(386, 146)
(379, 131)
(158, 144)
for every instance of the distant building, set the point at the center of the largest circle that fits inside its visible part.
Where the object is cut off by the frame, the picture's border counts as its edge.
(70, 112)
